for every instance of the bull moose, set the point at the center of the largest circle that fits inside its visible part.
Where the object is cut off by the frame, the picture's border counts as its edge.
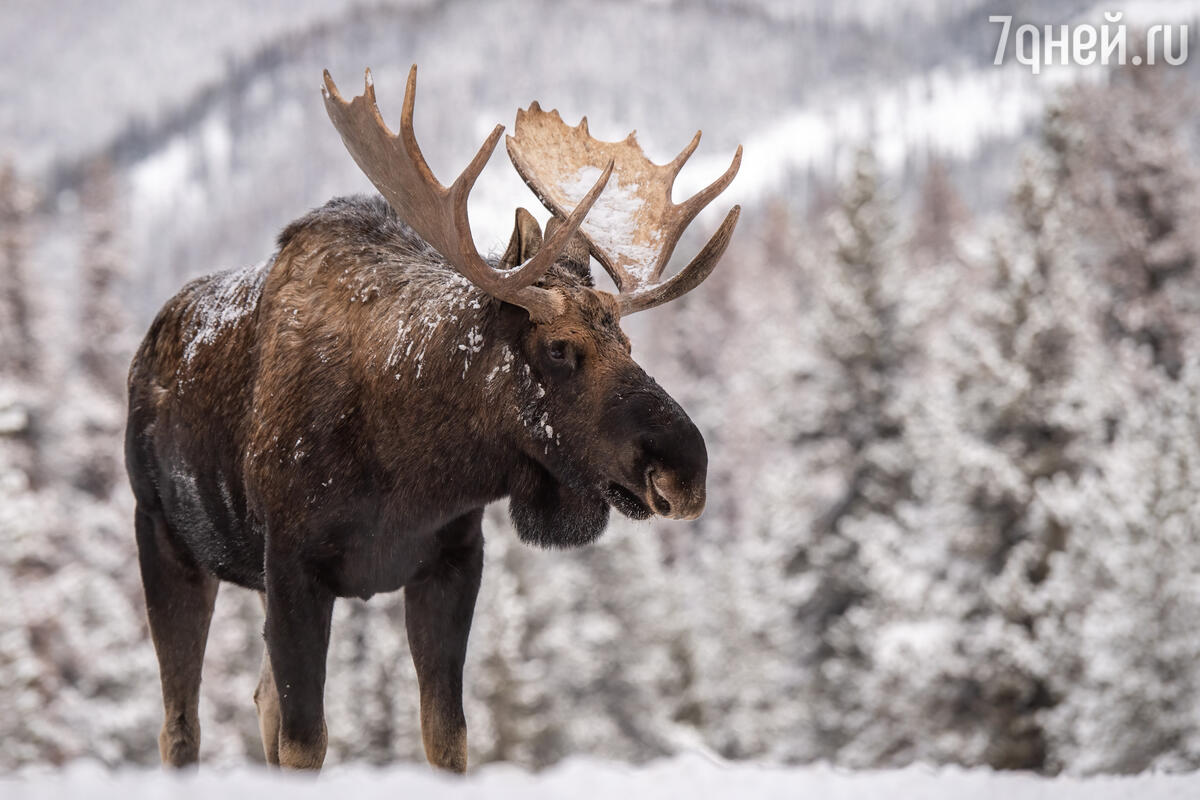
(332, 422)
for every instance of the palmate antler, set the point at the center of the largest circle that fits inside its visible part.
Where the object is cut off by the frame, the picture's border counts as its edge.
(394, 163)
(635, 226)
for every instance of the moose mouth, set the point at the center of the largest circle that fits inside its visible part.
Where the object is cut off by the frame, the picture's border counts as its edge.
(662, 495)
(626, 501)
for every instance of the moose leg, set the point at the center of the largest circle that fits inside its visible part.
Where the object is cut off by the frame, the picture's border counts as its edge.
(438, 611)
(266, 702)
(179, 605)
(297, 634)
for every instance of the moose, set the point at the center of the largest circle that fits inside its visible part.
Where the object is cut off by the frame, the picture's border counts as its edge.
(332, 422)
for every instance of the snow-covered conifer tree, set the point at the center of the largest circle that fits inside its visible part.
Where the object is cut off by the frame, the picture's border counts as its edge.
(1120, 152)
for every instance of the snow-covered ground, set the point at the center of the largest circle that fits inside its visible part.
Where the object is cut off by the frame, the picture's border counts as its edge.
(692, 777)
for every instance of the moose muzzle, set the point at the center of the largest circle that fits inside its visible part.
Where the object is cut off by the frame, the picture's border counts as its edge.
(676, 463)
(672, 496)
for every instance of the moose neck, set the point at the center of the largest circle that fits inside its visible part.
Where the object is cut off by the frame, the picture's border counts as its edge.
(459, 380)
(446, 377)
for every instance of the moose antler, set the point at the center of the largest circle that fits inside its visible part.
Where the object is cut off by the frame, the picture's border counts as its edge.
(635, 226)
(394, 163)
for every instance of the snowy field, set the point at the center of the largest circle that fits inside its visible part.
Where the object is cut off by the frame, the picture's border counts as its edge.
(691, 777)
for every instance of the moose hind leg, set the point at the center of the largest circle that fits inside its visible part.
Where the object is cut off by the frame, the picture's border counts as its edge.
(179, 605)
(266, 702)
(438, 612)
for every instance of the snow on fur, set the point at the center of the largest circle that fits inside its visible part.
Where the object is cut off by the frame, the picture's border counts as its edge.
(227, 299)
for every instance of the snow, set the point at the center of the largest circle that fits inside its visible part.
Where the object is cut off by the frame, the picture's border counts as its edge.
(446, 303)
(225, 300)
(530, 407)
(506, 366)
(14, 416)
(692, 776)
(471, 346)
(952, 112)
(612, 223)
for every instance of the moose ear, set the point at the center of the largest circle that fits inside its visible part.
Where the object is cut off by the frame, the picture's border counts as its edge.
(525, 242)
(577, 255)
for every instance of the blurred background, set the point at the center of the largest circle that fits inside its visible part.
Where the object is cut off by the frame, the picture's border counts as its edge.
(948, 374)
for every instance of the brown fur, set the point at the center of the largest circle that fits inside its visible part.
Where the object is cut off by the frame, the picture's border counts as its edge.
(333, 424)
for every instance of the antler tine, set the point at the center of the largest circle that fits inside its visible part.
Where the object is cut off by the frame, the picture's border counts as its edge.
(635, 230)
(690, 276)
(686, 211)
(395, 165)
(684, 154)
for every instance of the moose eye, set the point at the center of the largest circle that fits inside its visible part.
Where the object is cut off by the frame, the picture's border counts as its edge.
(562, 356)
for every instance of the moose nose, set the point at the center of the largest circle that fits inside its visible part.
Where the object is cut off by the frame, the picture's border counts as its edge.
(668, 452)
(672, 497)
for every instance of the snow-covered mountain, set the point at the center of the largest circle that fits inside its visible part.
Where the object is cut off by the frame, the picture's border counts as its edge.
(213, 117)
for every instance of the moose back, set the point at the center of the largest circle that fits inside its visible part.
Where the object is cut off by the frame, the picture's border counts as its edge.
(332, 422)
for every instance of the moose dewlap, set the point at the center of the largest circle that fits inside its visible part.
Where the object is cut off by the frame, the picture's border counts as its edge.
(332, 422)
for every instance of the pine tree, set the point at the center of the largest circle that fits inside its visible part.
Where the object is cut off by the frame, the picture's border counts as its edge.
(1120, 605)
(1119, 153)
(20, 376)
(940, 215)
(574, 651)
(372, 701)
(104, 344)
(18, 355)
(757, 399)
(1026, 369)
(865, 344)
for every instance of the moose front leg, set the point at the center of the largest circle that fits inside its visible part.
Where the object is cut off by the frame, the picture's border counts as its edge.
(297, 633)
(438, 611)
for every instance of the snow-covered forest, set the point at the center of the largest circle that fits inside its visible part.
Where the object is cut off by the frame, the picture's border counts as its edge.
(948, 374)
